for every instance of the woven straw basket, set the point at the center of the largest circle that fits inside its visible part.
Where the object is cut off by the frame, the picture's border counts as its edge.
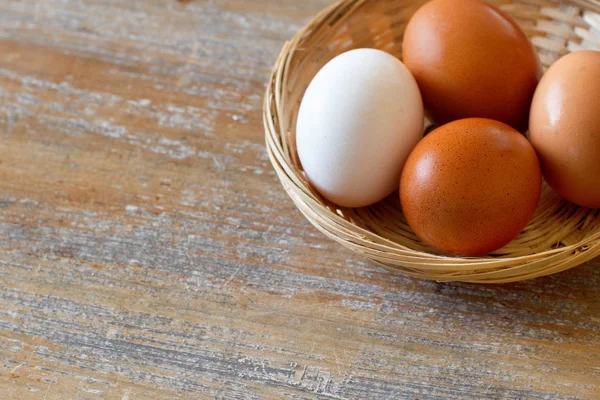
(560, 235)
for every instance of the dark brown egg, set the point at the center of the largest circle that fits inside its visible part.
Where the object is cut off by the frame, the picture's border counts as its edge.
(471, 186)
(565, 127)
(471, 60)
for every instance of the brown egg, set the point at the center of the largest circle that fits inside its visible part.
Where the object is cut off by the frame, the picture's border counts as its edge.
(565, 127)
(471, 60)
(471, 186)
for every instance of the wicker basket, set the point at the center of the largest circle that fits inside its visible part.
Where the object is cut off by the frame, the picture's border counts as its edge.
(560, 236)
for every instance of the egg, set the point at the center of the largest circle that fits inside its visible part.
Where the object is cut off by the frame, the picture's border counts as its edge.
(565, 127)
(470, 186)
(359, 119)
(471, 60)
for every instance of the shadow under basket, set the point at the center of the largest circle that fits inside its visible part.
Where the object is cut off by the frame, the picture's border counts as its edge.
(559, 237)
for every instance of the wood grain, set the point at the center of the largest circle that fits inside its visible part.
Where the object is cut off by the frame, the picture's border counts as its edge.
(147, 250)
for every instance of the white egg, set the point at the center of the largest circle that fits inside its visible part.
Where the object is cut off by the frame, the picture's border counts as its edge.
(360, 118)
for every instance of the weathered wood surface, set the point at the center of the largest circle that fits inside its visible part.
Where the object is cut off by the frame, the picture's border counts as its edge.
(148, 251)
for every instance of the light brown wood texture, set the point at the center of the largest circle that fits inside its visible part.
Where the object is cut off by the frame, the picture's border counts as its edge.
(147, 250)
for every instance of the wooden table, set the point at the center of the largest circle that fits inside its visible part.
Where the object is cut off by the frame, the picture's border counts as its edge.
(147, 250)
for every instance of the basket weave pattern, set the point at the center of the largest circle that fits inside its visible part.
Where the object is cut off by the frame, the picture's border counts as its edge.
(560, 235)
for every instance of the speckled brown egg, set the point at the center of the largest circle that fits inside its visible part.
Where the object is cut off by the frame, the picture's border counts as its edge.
(471, 60)
(471, 186)
(565, 127)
